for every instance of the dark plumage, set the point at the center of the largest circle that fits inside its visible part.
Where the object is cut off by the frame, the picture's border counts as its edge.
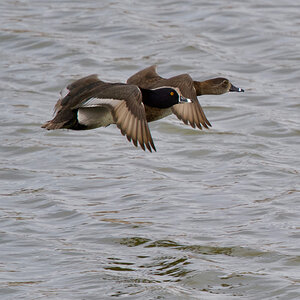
(89, 103)
(190, 112)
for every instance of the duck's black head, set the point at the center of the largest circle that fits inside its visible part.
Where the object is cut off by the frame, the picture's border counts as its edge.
(163, 97)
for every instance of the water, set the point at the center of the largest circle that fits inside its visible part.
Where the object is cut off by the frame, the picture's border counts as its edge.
(213, 214)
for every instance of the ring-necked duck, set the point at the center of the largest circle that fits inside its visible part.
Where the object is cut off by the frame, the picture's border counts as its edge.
(89, 103)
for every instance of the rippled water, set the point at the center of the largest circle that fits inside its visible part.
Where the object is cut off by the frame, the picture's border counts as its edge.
(213, 214)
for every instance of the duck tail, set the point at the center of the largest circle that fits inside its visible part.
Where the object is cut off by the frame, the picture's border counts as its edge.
(51, 125)
(63, 119)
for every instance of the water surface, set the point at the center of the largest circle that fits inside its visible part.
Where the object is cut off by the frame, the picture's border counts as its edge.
(214, 214)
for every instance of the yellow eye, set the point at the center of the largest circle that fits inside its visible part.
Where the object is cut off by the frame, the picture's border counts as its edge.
(172, 93)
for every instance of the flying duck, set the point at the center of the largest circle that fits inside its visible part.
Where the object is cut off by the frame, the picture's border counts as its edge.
(90, 103)
(190, 112)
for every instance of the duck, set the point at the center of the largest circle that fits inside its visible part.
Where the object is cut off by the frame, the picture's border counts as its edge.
(89, 102)
(190, 113)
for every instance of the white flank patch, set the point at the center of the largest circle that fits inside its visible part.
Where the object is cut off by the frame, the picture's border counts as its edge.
(96, 112)
(94, 117)
(98, 102)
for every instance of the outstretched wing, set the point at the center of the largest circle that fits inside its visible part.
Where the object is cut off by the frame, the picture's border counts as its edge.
(74, 88)
(191, 113)
(74, 94)
(146, 78)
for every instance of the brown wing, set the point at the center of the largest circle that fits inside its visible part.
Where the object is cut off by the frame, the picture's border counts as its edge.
(146, 78)
(74, 94)
(188, 112)
(74, 88)
(130, 118)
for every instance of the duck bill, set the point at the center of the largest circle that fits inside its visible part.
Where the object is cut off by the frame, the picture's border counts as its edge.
(235, 89)
(184, 100)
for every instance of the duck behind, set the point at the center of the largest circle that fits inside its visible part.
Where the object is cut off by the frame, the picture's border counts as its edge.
(191, 113)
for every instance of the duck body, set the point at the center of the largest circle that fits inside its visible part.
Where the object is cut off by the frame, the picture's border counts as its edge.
(90, 103)
(154, 113)
(191, 113)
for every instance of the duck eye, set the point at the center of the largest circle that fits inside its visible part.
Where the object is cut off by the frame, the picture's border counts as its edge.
(172, 93)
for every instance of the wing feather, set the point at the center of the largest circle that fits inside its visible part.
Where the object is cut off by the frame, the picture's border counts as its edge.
(130, 118)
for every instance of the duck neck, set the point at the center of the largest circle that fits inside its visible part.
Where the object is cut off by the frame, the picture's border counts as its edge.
(202, 88)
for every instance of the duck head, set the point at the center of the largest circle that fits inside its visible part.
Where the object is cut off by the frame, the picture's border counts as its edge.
(163, 97)
(215, 86)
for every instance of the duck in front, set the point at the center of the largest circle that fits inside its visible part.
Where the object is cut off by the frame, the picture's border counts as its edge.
(191, 113)
(90, 103)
